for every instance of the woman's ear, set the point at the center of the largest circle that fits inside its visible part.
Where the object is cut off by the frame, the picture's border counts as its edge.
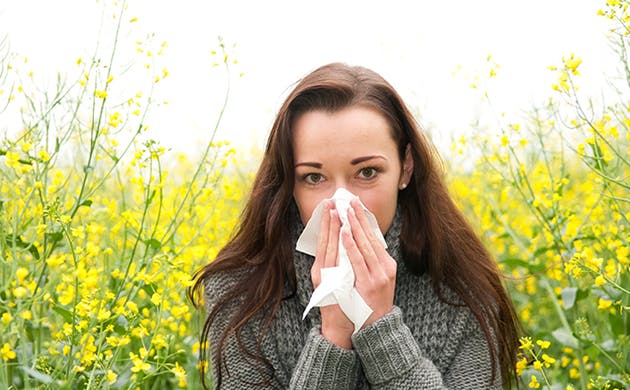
(407, 169)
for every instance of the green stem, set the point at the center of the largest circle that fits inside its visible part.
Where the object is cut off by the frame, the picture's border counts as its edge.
(174, 224)
(565, 324)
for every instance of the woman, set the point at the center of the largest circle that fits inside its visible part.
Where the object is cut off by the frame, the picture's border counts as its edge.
(441, 317)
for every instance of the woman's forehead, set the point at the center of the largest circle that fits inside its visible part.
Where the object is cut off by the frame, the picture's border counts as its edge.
(350, 133)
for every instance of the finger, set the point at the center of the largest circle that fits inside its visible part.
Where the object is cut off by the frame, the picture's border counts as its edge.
(333, 239)
(359, 267)
(362, 216)
(376, 243)
(363, 243)
(322, 240)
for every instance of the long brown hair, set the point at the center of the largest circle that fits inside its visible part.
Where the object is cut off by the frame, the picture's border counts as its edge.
(444, 244)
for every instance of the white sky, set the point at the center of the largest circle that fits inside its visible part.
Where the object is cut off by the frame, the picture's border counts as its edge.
(416, 45)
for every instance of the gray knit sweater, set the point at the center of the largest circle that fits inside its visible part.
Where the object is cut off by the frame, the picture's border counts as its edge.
(423, 343)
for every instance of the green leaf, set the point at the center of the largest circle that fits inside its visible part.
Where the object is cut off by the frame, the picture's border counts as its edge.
(568, 297)
(54, 236)
(122, 321)
(513, 262)
(86, 203)
(609, 345)
(565, 337)
(617, 324)
(150, 198)
(150, 288)
(67, 315)
(153, 243)
(37, 375)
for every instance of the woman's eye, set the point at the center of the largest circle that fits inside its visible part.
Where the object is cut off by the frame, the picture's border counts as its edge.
(368, 173)
(313, 178)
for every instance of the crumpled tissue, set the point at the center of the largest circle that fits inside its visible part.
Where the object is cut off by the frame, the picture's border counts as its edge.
(337, 283)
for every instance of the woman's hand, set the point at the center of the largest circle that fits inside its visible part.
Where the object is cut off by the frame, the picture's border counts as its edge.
(374, 269)
(336, 327)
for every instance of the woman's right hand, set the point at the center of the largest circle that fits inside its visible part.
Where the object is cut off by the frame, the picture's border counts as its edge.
(336, 327)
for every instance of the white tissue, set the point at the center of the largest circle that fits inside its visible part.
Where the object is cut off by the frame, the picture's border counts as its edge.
(337, 283)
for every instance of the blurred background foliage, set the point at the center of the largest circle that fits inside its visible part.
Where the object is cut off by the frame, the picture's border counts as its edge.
(101, 226)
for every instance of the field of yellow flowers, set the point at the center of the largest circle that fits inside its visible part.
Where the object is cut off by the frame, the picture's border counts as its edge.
(101, 227)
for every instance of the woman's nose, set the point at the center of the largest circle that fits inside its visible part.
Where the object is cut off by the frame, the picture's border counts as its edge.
(341, 184)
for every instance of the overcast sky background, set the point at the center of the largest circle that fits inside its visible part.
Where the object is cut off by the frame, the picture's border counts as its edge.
(416, 45)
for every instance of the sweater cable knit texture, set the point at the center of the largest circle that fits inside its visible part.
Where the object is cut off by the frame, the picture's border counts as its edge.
(423, 343)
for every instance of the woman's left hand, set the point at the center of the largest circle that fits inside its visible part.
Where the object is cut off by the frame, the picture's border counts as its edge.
(374, 268)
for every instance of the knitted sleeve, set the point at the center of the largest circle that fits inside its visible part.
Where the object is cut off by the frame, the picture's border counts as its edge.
(392, 359)
(324, 365)
(321, 365)
(239, 369)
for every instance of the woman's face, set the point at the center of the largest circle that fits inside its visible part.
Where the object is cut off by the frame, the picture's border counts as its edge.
(350, 148)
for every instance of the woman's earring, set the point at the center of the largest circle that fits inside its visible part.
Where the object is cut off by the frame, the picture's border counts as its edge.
(402, 186)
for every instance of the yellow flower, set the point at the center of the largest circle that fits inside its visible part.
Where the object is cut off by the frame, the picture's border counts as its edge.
(543, 344)
(12, 159)
(533, 383)
(159, 341)
(124, 341)
(138, 363)
(538, 365)
(26, 146)
(103, 314)
(562, 84)
(6, 318)
(521, 364)
(180, 374)
(156, 299)
(564, 361)
(600, 281)
(132, 306)
(111, 377)
(7, 352)
(44, 156)
(572, 63)
(548, 360)
(100, 94)
(611, 268)
(20, 292)
(202, 365)
(603, 304)
(526, 343)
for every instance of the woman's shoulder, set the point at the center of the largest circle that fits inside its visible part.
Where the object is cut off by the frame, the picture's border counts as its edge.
(216, 284)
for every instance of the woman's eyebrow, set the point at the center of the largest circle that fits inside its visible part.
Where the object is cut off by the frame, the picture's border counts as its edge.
(309, 164)
(359, 160)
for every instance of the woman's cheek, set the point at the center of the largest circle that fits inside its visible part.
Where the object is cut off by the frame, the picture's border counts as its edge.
(306, 205)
